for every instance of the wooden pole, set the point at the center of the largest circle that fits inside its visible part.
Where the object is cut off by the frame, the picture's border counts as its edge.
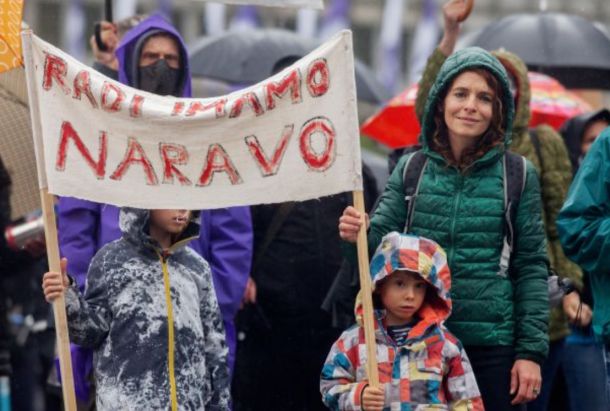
(59, 305)
(366, 295)
(50, 230)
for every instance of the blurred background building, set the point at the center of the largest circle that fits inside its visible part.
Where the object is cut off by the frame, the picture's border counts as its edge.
(393, 36)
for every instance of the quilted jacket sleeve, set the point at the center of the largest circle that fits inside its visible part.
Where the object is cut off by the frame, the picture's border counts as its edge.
(530, 275)
(391, 212)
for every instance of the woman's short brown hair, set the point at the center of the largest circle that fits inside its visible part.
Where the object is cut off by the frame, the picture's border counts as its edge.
(494, 136)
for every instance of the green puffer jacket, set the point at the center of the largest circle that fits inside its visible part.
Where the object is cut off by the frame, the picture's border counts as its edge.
(463, 212)
(555, 176)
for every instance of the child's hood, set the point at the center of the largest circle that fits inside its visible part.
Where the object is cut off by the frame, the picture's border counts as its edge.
(134, 226)
(421, 256)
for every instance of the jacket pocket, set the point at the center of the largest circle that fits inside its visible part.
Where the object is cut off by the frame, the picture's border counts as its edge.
(428, 370)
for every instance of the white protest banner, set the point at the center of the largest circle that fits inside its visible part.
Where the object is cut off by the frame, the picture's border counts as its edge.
(314, 4)
(292, 137)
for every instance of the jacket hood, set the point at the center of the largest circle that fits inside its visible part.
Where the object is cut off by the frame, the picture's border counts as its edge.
(573, 129)
(404, 252)
(517, 68)
(134, 226)
(456, 63)
(130, 47)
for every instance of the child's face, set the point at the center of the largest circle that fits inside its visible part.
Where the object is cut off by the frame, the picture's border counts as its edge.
(170, 221)
(402, 295)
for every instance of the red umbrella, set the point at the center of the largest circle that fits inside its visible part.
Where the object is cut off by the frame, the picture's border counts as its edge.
(396, 124)
(551, 103)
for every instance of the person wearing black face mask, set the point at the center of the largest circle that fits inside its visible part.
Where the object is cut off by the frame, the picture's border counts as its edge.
(152, 57)
(144, 53)
(159, 66)
(159, 78)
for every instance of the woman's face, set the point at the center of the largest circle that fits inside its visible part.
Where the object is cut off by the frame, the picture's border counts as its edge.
(468, 108)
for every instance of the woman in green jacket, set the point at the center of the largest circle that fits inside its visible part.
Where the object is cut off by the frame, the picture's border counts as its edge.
(552, 163)
(501, 319)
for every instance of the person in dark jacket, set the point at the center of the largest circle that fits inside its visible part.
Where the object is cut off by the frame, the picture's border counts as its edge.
(27, 341)
(5, 216)
(501, 319)
(151, 316)
(297, 255)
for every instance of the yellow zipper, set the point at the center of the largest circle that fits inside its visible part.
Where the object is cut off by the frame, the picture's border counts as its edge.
(170, 322)
(170, 335)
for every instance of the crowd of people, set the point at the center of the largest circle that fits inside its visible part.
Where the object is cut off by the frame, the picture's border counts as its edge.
(245, 308)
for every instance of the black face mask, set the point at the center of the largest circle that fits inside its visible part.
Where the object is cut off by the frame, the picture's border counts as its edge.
(159, 78)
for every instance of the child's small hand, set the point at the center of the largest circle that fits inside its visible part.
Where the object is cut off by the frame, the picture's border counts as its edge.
(373, 398)
(54, 284)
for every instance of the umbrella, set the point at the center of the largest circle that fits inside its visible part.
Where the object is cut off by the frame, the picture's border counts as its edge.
(16, 144)
(396, 124)
(248, 56)
(568, 47)
(551, 103)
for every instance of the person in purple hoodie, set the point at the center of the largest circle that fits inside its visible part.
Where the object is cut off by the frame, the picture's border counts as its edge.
(152, 57)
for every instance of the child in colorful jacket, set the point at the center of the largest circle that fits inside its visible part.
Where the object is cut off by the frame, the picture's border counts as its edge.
(151, 316)
(421, 364)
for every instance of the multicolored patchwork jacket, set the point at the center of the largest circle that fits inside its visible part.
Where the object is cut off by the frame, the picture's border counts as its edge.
(153, 321)
(431, 369)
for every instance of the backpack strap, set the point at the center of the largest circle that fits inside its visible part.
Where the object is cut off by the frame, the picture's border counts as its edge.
(514, 182)
(411, 178)
(536, 143)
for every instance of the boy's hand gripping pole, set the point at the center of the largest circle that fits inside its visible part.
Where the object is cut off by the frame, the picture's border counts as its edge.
(366, 294)
(59, 304)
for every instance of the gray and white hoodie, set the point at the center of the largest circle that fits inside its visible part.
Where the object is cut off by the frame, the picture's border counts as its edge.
(153, 321)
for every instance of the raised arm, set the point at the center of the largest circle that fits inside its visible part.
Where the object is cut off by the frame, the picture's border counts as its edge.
(453, 11)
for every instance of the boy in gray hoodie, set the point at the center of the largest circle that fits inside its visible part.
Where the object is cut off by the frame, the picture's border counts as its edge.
(151, 316)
